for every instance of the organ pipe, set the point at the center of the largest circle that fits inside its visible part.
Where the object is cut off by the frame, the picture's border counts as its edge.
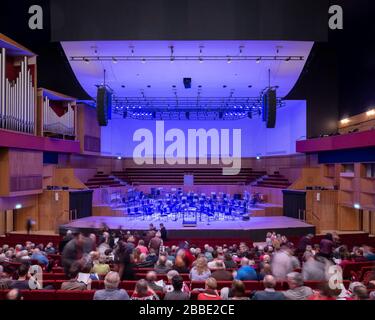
(53, 123)
(2, 86)
(17, 98)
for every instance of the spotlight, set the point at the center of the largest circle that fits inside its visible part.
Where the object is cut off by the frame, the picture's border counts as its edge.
(119, 158)
(258, 60)
(288, 59)
(229, 60)
(114, 60)
(357, 206)
(370, 113)
(143, 60)
(18, 206)
(172, 59)
(258, 157)
(200, 60)
(345, 121)
(86, 60)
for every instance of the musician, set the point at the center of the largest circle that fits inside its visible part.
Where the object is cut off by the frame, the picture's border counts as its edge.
(152, 227)
(163, 232)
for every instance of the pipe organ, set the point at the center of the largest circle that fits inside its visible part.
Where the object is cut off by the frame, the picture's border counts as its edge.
(17, 98)
(52, 123)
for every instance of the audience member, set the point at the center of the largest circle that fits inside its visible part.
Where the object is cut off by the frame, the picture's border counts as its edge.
(269, 292)
(177, 293)
(210, 292)
(297, 291)
(111, 291)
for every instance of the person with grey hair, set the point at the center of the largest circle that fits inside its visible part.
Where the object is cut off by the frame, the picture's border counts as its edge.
(315, 268)
(297, 291)
(269, 292)
(169, 287)
(161, 266)
(111, 291)
(151, 278)
(220, 274)
(282, 263)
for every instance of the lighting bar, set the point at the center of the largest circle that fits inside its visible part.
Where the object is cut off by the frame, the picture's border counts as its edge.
(143, 59)
(215, 108)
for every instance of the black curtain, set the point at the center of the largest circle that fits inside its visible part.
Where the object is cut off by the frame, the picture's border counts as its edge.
(82, 202)
(294, 203)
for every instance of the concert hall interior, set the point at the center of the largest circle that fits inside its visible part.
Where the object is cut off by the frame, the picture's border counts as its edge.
(223, 142)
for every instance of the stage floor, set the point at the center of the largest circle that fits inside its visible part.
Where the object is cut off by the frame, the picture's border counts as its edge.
(255, 229)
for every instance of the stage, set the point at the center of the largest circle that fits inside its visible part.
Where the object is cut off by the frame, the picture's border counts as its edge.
(255, 229)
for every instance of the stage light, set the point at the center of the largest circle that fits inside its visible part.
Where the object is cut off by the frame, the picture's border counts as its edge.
(370, 113)
(288, 59)
(86, 60)
(172, 59)
(114, 60)
(258, 157)
(258, 60)
(119, 158)
(229, 60)
(357, 206)
(18, 206)
(200, 60)
(143, 60)
(345, 121)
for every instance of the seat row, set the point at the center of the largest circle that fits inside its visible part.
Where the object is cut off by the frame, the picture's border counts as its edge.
(249, 285)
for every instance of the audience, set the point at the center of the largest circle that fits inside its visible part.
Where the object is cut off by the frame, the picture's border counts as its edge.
(101, 267)
(89, 257)
(111, 291)
(143, 291)
(238, 291)
(210, 291)
(200, 271)
(151, 278)
(73, 283)
(246, 272)
(22, 282)
(220, 274)
(297, 291)
(269, 292)
(177, 293)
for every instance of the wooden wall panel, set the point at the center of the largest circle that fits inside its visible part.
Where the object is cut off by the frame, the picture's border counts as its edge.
(53, 209)
(65, 177)
(312, 177)
(4, 172)
(89, 132)
(289, 165)
(322, 213)
(348, 219)
(29, 211)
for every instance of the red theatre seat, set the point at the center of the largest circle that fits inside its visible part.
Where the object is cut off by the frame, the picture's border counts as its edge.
(38, 294)
(54, 276)
(75, 295)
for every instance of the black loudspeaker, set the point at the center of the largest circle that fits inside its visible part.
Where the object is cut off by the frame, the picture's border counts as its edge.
(269, 108)
(103, 106)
